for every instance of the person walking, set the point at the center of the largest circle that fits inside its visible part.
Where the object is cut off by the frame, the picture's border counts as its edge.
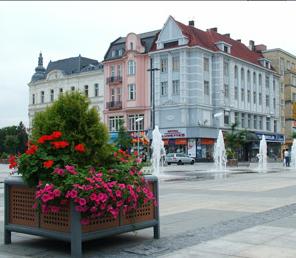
(287, 158)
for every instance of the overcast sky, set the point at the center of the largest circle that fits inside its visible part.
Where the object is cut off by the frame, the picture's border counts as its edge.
(66, 29)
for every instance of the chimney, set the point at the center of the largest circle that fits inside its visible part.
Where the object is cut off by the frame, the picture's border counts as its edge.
(252, 45)
(227, 35)
(239, 40)
(191, 23)
(214, 29)
(260, 48)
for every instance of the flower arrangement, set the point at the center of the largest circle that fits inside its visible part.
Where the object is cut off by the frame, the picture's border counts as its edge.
(64, 168)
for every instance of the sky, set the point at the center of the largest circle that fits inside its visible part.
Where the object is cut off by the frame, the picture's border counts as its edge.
(66, 29)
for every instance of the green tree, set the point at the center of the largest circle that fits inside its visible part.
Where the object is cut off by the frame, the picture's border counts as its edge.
(11, 143)
(22, 138)
(294, 135)
(123, 140)
(71, 115)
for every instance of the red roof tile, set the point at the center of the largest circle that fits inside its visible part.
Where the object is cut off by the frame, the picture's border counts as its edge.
(207, 39)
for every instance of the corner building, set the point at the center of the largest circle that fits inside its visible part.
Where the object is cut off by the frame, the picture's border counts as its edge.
(207, 81)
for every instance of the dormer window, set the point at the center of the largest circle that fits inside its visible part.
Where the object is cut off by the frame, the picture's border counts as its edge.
(120, 52)
(113, 53)
(131, 46)
(265, 62)
(223, 46)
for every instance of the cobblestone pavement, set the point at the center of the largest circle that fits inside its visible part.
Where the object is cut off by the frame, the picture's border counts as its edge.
(203, 214)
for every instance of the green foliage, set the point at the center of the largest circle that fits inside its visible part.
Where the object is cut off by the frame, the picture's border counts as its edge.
(71, 115)
(123, 140)
(13, 139)
(294, 135)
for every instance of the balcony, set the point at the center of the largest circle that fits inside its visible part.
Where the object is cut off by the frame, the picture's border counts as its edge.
(114, 105)
(114, 80)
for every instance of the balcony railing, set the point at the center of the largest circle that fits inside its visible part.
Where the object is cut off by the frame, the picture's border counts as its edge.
(114, 105)
(114, 80)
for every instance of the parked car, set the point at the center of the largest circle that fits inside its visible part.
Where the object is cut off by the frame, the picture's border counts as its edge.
(178, 158)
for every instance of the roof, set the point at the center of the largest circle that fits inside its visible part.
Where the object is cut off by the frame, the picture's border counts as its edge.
(147, 39)
(207, 39)
(72, 65)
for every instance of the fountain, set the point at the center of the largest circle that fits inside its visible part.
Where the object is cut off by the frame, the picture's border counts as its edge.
(262, 164)
(157, 147)
(293, 154)
(220, 158)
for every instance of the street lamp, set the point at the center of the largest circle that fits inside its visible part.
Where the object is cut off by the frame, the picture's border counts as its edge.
(152, 94)
(217, 115)
(138, 120)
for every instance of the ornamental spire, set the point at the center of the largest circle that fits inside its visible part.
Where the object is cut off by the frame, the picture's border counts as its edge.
(40, 60)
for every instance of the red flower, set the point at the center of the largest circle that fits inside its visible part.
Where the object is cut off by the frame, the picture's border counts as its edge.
(12, 162)
(80, 147)
(48, 163)
(56, 134)
(60, 145)
(44, 138)
(32, 150)
(135, 153)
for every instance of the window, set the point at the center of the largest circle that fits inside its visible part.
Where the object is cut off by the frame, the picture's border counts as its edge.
(164, 88)
(112, 94)
(274, 103)
(273, 84)
(275, 126)
(260, 123)
(51, 95)
(226, 91)
(86, 90)
(243, 120)
(249, 96)
(254, 97)
(236, 117)
(131, 46)
(163, 65)
(249, 121)
(113, 53)
(235, 92)
(112, 74)
(248, 76)
(61, 91)
(254, 78)
(267, 82)
(114, 122)
(33, 99)
(206, 64)
(72, 88)
(235, 72)
(242, 94)
(226, 69)
(133, 124)
(260, 80)
(226, 117)
(268, 123)
(242, 75)
(118, 93)
(131, 91)
(225, 49)
(42, 97)
(267, 100)
(96, 89)
(206, 88)
(260, 98)
(255, 122)
(119, 72)
(131, 67)
(176, 64)
(176, 87)
(294, 97)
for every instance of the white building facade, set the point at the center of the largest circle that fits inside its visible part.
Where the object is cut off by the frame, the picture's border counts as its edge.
(71, 74)
(208, 81)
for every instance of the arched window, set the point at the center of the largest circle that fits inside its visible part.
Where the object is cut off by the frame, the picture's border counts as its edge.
(242, 75)
(254, 78)
(260, 79)
(235, 72)
(131, 67)
(248, 76)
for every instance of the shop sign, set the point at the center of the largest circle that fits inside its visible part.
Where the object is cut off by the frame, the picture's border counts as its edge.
(272, 137)
(207, 141)
(181, 141)
(173, 133)
(192, 148)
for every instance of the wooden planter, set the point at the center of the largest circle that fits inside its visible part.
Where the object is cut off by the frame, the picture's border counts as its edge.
(232, 163)
(65, 225)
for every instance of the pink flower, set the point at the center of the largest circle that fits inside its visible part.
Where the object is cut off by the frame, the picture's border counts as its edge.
(119, 204)
(118, 193)
(102, 197)
(59, 171)
(57, 193)
(54, 208)
(82, 201)
(84, 221)
(71, 169)
(122, 186)
(94, 197)
(93, 209)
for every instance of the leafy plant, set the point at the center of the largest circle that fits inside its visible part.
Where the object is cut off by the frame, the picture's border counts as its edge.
(123, 140)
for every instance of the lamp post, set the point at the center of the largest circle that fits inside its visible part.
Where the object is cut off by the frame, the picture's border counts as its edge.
(152, 94)
(217, 115)
(138, 120)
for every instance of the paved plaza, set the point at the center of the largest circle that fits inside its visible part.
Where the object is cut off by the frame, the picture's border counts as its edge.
(240, 213)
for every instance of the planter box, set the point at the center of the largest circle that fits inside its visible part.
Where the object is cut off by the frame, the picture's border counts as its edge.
(232, 163)
(65, 225)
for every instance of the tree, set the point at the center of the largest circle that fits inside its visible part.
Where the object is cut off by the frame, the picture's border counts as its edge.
(11, 143)
(123, 140)
(22, 138)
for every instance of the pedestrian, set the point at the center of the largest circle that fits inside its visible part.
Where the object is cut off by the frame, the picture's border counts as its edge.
(287, 158)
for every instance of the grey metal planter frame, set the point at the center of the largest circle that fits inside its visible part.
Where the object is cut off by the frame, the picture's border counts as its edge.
(75, 236)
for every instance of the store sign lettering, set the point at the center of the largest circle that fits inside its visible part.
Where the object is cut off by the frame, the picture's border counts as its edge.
(173, 134)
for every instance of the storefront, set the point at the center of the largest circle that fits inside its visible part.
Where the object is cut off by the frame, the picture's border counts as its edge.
(205, 149)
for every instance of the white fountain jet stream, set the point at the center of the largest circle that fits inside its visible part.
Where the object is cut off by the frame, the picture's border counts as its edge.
(157, 149)
(262, 165)
(220, 158)
(293, 154)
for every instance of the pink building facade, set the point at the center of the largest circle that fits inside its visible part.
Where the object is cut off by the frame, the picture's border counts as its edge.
(127, 85)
